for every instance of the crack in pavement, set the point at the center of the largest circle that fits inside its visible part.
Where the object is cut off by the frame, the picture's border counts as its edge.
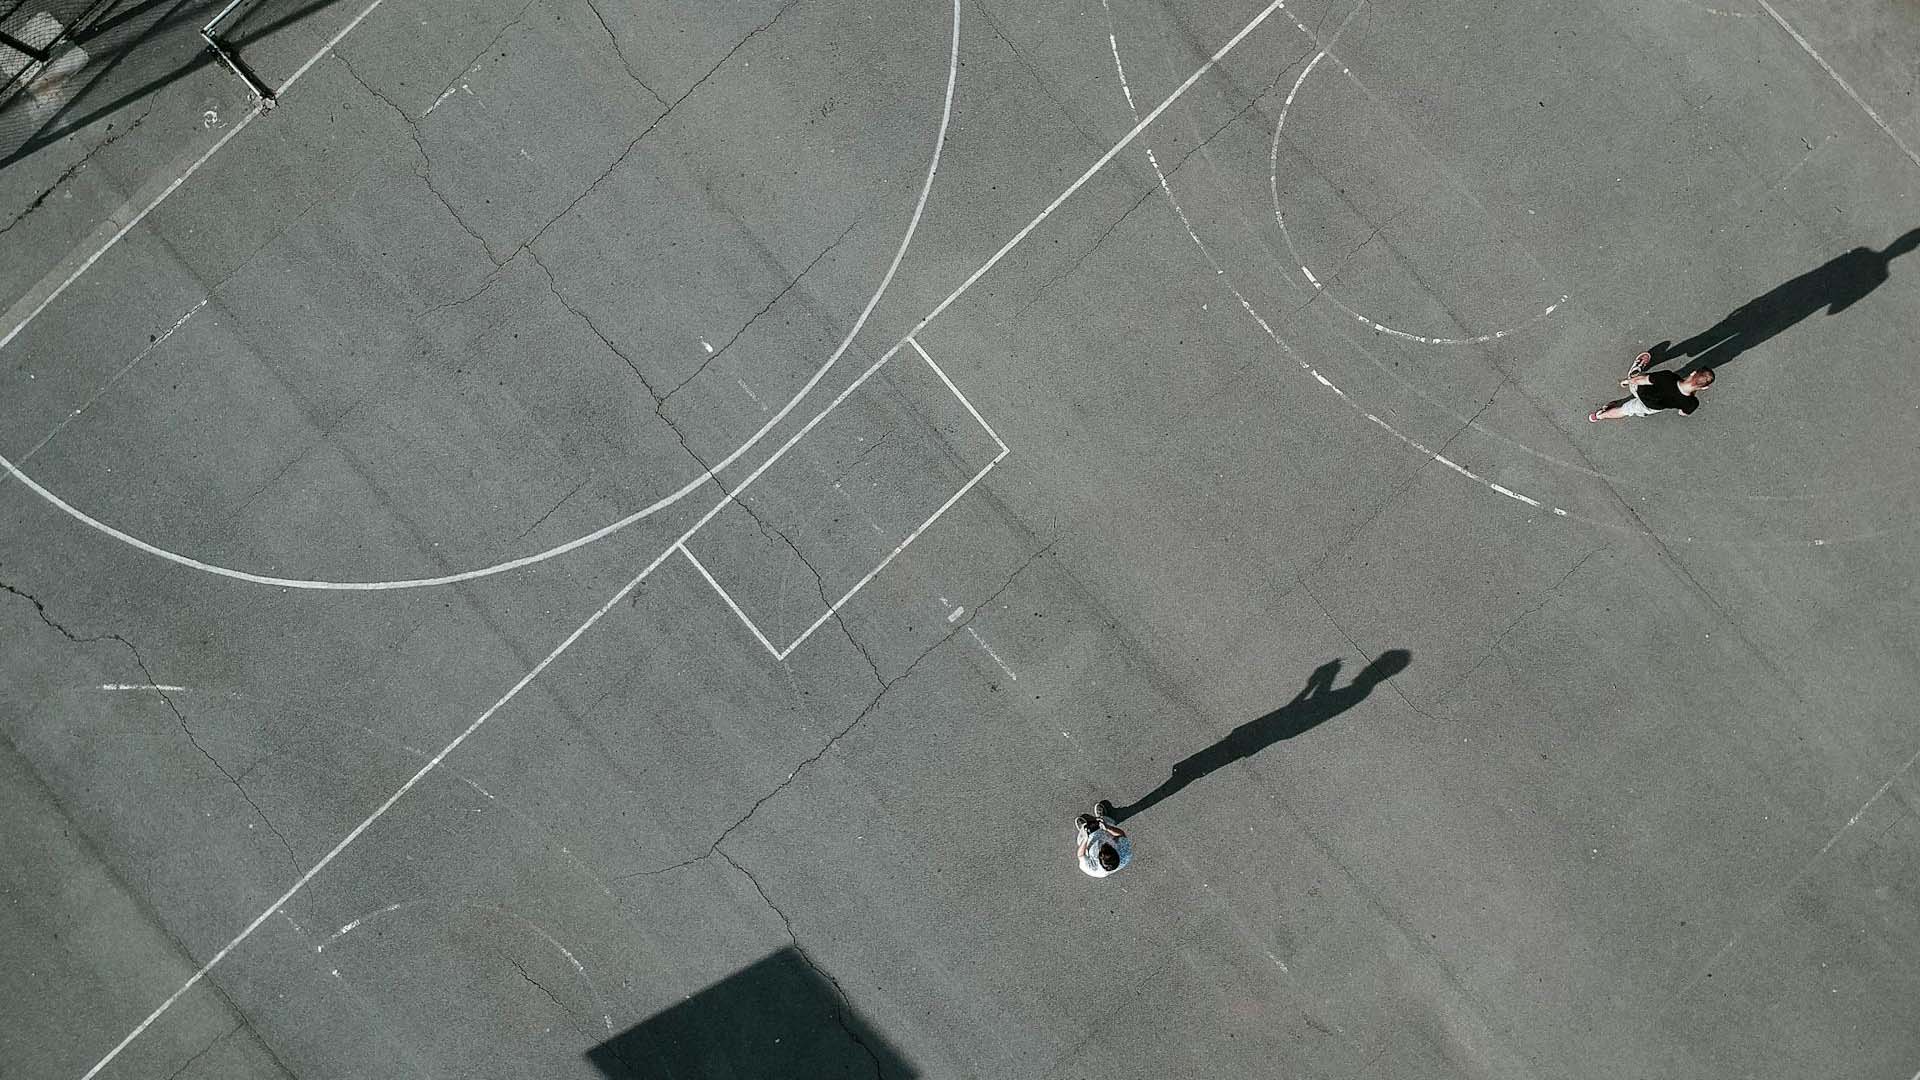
(1073, 121)
(1063, 275)
(614, 40)
(651, 127)
(1167, 176)
(203, 1051)
(73, 170)
(885, 687)
(844, 1004)
(474, 64)
(553, 287)
(140, 661)
(554, 507)
(755, 317)
(426, 172)
(538, 985)
(195, 741)
(1494, 648)
(528, 245)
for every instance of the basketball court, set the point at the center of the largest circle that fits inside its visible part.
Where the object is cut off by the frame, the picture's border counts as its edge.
(590, 538)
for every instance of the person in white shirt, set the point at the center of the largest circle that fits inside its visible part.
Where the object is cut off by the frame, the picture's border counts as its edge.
(1103, 847)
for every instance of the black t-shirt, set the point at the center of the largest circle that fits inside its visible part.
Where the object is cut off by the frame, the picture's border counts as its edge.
(1663, 392)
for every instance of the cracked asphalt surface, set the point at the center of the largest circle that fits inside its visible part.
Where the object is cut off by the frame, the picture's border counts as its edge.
(495, 274)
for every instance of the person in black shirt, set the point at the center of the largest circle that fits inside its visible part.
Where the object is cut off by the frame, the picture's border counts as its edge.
(1656, 391)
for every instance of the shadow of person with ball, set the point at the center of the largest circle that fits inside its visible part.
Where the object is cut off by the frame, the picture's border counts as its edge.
(1315, 704)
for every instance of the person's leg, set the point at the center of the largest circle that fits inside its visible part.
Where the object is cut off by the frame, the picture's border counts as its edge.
(1619, 410)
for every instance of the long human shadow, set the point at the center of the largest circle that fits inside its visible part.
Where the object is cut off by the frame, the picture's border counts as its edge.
(1316, 703)
(1836, 285)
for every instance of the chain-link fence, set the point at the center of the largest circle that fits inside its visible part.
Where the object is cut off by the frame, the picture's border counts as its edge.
(40, 42)
(65, 64)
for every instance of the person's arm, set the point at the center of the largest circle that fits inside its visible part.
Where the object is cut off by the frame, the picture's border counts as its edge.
(1112, 828)
(1632, 381)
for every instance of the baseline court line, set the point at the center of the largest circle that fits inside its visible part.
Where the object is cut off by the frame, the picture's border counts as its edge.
(628, 588)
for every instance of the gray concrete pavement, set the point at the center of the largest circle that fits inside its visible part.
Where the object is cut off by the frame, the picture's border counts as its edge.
(493, 276)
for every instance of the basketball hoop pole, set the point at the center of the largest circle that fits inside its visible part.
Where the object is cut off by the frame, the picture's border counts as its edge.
(231, 57)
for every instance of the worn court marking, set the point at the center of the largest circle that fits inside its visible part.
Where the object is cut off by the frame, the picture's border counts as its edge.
(1273, 185)
(953, 67)
(1223, 276)
(601, 533)
(579, 969)
(1780, 893)
(600, 613)
(158, 341)
(1801, 41)
(834, 608)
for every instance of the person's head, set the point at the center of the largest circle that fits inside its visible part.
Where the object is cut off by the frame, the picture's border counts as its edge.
(1695, 381)
(1907, 242)
(1385, 666)
(1109, 858)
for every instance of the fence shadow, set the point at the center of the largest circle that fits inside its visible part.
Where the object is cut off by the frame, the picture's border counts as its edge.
(108, 54)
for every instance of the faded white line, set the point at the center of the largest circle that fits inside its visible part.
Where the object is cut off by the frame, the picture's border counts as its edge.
(1267, 328)
(378, 813)
(1828, 68)
(153, 345)
(982, 642)
(1273, 186)
(1802, 872)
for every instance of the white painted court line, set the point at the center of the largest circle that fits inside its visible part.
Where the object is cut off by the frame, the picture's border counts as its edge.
(1780, 893)
(1273, 186)
(981, 420)
(894, 554)
(378, 813)
(1800, 40)
(1125, 141)
(1347, 399)
(886, 280)
(153, 345)
(568, 642)
(728, 597)
(834, 608)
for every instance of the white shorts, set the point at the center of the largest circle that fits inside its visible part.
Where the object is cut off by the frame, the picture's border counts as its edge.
(1633, 406)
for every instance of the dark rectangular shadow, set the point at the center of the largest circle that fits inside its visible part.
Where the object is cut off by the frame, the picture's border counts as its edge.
(775, 1020)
